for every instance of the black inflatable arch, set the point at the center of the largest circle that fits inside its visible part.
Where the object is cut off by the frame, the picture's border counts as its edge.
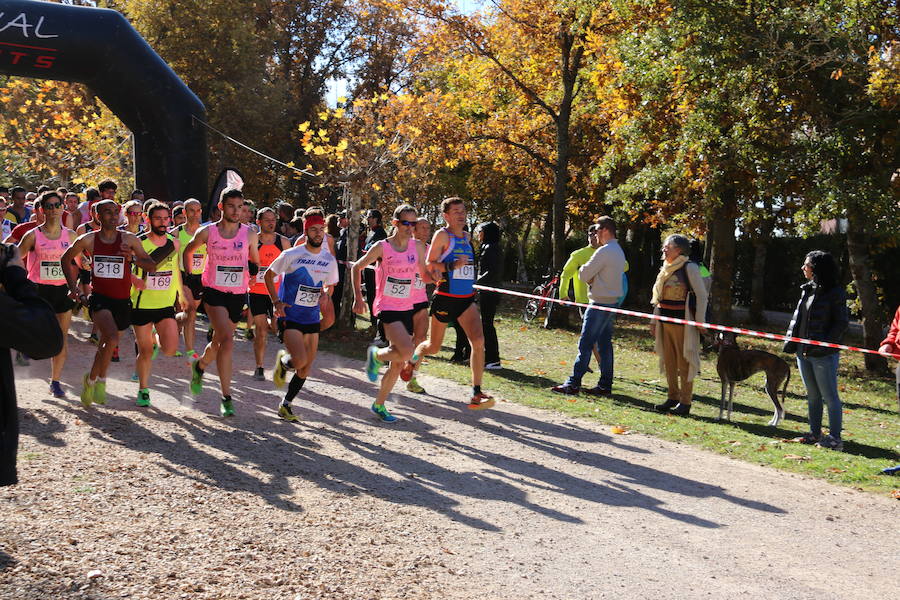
(99, 48)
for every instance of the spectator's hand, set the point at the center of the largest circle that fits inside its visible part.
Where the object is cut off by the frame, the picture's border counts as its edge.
(886, 350)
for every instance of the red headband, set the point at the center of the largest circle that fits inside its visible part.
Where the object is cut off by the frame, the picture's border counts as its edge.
(313, 220)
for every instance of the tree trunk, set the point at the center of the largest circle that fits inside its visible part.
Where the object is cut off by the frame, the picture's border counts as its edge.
(560, 187)
(872, 314)
(722, 261)
(521, 272)
(351, 203)
(758, 283)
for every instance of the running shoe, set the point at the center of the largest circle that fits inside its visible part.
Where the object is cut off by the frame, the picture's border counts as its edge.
(191, 355)
(178, 354)
(143, 398)
(115, 356)
(383, 414)
(480, 401)
(135, 377)
(87, 391)
(259, 374)
(373, 365)
(196, 378)
(284, 411)
(832, 443)
(279, 373)
(414, 386)
(22, 360)
(100, 392)
(567, 388)
(57, 390)
(493, 366)
(249, 335)
(226, 407)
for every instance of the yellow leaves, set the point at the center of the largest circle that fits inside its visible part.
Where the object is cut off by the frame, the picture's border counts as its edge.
(322, 133)
(376, 187)
(341, 146)
(323, 116)
(319, 150)
(837, 74)
(342, 100)
(23, 110)
(13, 122)
(378, 143)
(339, 113)
(304, 126)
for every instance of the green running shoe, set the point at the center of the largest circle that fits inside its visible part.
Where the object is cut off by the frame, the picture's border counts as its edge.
(414, 386)
(196, 378)
(143, 398)
(279, 371)
(284, 411)
(383, 414)
(373, 365)
(87, 391)
(226, 407)
(100, 393)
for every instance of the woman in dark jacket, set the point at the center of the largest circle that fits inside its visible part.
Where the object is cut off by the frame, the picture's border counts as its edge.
(821, 315)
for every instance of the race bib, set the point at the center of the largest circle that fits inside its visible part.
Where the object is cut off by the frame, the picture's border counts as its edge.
(307, 296)
(51, 270)
(418, 283)
(229, 276)
(464, 272)
(109, 267)
(196, 263)
(261, 276)
(161, 280)
(397, 288)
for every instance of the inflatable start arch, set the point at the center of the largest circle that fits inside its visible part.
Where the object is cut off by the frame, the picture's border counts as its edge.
(99, 48)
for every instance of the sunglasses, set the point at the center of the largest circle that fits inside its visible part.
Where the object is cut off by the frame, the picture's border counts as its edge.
(53, 205)
(134, 214)
(407, 223)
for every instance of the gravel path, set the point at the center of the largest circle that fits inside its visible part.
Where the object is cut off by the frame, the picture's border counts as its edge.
(175, 502)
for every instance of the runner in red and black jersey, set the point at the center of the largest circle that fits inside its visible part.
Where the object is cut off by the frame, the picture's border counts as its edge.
(270, 245)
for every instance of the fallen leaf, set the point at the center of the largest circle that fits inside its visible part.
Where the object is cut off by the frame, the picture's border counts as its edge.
(520, 358)
(448, 551)
(895, 494)
(572, 399)
(618, 429)
(835, 470)
(795, 457)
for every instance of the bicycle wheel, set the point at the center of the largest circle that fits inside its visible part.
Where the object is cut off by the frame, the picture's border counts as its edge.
(532, 306)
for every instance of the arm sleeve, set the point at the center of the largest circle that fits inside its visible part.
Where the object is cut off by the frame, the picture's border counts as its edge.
(30, 326)
(569, 271)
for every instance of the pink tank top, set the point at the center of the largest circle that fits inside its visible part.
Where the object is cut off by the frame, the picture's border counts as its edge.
(44, 266)
(226, 261)
(419, 294)
(395, 276)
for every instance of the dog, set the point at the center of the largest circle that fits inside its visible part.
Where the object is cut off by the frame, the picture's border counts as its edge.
(736, 365)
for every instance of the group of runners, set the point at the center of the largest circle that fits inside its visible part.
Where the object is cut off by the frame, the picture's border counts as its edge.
(140, 271)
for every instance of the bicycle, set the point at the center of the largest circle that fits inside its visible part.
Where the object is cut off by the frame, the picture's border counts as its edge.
(548, 289)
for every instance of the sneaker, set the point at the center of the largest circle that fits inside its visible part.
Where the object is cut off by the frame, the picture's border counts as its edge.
(135, 377)
(414, 386)
(226, 407)
(178, 354)
(808, 438)
(567, 388)
(373, 365)
(832, 443)
(94, 339)
(143, 398)
(259, 374)
(196, 378)
(383, 414)
(87, 391)
(891, 470)
(682, 410)
(115, 356)
(406, 373)
(666, 406)
(100, 392)
(598, 391)
(191, 355)
(279, 372)
(493, 366)
(248, 335)
(480, 401)
(284, 411)
(22, 360)
(57, 390)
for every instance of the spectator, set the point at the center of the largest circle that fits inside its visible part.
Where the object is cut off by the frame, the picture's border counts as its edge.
(490, 267)
(678, 292)
(891, 345)
(137, 195)
(820, 315)
(31, 328)
(333, 228)
(376, 234)
(603, 273)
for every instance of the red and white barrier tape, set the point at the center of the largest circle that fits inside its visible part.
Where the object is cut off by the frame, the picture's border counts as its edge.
(643, 315)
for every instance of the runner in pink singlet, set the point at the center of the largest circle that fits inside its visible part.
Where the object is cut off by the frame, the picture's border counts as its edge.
(400, 258)
(421, 297)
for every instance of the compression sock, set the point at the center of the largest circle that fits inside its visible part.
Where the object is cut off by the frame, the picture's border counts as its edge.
(476, 389)
(294, 387)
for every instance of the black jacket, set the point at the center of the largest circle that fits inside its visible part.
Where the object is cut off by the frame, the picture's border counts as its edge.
(490, 264)
(29, 326)
(827, 320)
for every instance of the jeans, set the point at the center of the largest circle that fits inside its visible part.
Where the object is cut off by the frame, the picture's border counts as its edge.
(596, 331)
(819, 374)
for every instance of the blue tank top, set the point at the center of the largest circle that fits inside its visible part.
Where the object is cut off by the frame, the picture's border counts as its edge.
(458, 282)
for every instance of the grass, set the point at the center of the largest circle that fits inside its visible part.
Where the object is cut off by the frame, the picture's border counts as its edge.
(535, 359)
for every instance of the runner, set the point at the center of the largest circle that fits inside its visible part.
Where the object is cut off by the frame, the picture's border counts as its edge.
(153, 296)
(401, 259)
(328, 245)
(112, 254)
(134, 215)
(191, 272)
(420, 295)
(306, 271)
(45, 246)
(271, 244)
(225, 279)
(454, 299)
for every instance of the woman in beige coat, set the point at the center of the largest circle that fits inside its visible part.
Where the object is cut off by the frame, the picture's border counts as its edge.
(679, 292)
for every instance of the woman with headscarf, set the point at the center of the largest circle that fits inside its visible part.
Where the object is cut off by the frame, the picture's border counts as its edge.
(678, 292)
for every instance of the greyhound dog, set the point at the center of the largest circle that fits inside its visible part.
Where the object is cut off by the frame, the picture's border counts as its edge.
(736, 365)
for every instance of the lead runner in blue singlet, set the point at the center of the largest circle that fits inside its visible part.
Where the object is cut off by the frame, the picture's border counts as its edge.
(451, 261)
